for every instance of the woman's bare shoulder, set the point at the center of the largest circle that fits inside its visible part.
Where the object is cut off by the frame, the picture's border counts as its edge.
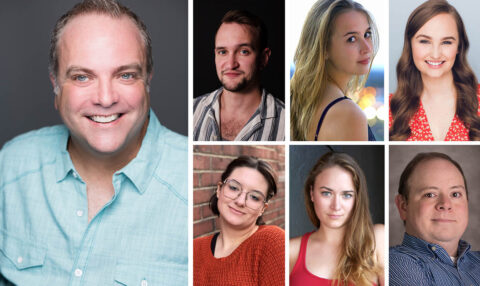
(345, 121)
(294, 246)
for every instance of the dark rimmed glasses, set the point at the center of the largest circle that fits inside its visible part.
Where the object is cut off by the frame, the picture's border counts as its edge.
(232, 189)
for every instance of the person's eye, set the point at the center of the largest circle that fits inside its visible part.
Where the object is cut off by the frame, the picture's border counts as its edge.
(254, 197)
(234, 188)
(127, 76)
(221, 52)
(352, 39)
(457, 195)
(245, 52)
(367, 35)
(348, 195)
(80, 78)
(326, 194)
(429, 195)
(424, 41)
(447, 42)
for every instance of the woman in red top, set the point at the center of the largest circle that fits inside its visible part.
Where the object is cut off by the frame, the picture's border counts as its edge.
(346, 249)
(245, 252)
(436, 97)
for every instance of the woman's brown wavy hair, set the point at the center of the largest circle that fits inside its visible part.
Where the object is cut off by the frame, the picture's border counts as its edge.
(357, 258)
(406, 99)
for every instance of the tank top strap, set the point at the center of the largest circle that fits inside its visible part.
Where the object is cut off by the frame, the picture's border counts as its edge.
(325, 113)
(302, 253)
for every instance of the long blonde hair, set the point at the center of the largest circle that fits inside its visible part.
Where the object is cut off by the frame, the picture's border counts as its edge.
(357, 256)
(310, 78)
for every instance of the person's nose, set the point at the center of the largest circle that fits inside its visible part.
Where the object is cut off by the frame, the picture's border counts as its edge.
(444, 203)
(106, 94)
(241, 199)
(335, 203)
(366, 46)
(436, 52)
(232, 61)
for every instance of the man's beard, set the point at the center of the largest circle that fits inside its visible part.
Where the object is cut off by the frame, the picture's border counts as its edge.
(236, 87)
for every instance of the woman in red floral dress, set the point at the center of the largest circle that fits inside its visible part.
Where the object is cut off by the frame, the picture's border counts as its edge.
(437, 97)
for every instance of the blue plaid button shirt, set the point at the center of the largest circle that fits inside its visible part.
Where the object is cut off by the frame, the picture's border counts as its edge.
(417, 262)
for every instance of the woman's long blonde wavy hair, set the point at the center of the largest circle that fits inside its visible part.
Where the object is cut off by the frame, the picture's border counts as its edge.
(311, 76)
(357, 256)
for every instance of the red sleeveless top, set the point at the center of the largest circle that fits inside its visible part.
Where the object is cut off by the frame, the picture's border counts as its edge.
(300, 274)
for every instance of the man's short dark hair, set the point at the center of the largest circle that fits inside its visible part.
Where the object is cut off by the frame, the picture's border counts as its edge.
(258, 27)
(403, 187)
(110, 8)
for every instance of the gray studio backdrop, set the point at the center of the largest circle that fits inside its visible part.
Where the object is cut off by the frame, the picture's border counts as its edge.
(466, 156)
(26, 95)
(399, 12)
(303, 158)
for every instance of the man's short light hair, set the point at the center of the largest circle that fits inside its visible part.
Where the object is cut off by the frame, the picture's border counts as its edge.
(111, 8)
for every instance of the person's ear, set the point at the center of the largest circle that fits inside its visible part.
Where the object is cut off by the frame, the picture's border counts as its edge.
(265, 58)
(401, 203)
(265, 206)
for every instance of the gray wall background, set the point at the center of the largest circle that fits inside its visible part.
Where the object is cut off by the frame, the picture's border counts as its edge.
(466, 156)
(399, 12)
(26, 95)
(303, 158)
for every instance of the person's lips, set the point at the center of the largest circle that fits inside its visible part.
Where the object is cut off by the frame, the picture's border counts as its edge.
(443, 220)
(365, 61)
(235, 211)
(231, 73)
(105, 118)
(435, 64)
(334, 216)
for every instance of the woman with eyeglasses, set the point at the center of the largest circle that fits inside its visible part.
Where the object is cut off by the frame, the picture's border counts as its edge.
(245, 251)
(346, 248)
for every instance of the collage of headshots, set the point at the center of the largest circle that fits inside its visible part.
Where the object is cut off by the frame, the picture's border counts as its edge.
(240, 143)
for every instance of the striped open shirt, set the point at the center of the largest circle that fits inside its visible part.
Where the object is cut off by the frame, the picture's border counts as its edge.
(266, 124)
(417, 262)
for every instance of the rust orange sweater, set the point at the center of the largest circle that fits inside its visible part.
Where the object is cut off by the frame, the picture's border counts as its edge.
(259, 260)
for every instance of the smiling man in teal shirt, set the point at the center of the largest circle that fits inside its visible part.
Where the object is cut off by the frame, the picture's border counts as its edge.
(102, 199)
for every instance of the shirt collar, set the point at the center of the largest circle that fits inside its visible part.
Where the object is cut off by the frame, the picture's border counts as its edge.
(64, 165)
(431, 249)
(140, 170)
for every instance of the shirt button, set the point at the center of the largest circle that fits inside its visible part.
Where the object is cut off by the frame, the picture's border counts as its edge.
(434, 248)
(79, 213)
(75, 175)
(20, 259)
(78, 272)
(144, 283)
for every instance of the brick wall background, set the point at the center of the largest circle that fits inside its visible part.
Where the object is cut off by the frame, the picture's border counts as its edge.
(209, 162)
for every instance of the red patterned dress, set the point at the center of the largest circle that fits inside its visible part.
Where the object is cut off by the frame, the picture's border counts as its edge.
(420, 128)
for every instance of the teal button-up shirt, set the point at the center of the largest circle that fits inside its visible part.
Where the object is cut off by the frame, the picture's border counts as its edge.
(138, 238)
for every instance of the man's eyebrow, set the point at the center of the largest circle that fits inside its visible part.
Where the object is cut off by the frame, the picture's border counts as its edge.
(237, 46)
(73, 69)
(437, 188)
(137, 67)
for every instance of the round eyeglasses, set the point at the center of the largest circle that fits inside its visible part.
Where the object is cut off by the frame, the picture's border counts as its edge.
(232, 189)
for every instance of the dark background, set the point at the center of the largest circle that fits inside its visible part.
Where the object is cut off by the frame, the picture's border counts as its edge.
(26, 94)
(206, 18)
(303, 158)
